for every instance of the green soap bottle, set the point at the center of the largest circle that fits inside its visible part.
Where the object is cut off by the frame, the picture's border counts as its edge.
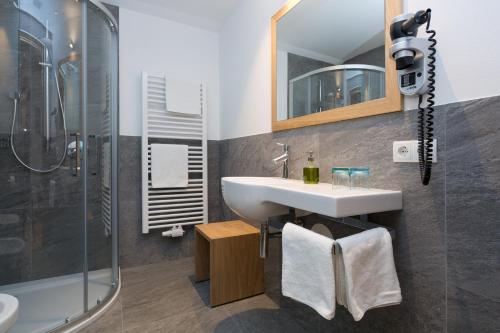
(311, 172)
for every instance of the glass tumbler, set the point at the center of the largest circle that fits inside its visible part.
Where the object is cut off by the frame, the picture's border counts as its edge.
(341, 177)
(360, 177)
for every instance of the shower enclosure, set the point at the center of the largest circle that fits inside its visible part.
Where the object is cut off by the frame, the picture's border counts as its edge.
(58, 153)
(333, 87)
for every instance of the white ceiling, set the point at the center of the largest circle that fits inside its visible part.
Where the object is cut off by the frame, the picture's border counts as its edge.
(201, 13)
(337, 29)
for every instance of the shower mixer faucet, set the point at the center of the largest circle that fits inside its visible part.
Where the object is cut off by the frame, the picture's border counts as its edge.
(284, 159)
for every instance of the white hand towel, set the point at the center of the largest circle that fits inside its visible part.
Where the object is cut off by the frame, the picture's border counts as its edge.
(183, 97)
(169, 165)
(370, 278)
(307, 272)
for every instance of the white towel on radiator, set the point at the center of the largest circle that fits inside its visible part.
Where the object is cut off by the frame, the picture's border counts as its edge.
(307, 272)
(169, 165)
(366, 272)
(183, 97)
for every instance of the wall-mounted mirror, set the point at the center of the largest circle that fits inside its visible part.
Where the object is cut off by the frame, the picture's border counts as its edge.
(330, 61)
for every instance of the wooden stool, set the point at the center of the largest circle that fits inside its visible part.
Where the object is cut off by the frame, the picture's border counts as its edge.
(227, 253)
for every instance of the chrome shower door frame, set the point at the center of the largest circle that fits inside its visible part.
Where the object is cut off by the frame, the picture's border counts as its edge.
(115, 285)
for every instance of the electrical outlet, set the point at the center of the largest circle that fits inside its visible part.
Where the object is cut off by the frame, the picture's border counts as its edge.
(402, 151)
(407, 151)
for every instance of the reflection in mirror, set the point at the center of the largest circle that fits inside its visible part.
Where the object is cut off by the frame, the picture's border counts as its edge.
(329, 54)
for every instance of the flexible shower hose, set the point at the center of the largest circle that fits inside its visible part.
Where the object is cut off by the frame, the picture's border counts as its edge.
(17, 98)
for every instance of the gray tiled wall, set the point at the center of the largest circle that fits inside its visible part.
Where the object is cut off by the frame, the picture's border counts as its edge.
(137, 248)
(447, 242)
(298, 65)
(375, 57)
(472, 215)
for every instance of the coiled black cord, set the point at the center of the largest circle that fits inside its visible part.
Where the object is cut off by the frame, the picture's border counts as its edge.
(425, 114)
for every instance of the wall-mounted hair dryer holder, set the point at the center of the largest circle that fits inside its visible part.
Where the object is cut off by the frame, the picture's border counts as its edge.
(415, 64)
(414, 79)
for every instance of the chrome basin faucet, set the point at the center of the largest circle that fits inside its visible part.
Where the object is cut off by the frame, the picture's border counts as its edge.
(284, 159)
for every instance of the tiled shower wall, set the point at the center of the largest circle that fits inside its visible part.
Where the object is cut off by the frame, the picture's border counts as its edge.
(447, 243)
(41, 229)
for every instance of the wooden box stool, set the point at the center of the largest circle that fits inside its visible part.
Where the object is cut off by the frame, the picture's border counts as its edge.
(227, 253)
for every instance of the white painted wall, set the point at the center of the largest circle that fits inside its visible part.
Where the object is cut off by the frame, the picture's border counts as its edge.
(468, 60)
(158, 45)
(245, 63)
(468, 65)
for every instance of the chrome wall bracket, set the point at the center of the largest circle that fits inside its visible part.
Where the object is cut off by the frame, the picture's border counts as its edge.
(272, 229)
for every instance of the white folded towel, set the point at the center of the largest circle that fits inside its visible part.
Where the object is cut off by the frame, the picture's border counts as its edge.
(307, 272)
(183, 97)
(169, 165)
(366, 272)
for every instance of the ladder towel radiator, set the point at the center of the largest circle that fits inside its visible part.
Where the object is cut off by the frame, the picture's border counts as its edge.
(173, 207)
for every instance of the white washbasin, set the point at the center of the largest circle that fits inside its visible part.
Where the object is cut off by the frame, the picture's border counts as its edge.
(257, 198)
(9, 309)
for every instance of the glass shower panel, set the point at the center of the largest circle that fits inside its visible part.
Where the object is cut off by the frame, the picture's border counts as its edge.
(334, 87)
(355, 87)
(300, 97)
(323, 86)
(100, 103)
(363, 85)
(57, 205)
(43, 158)
(15, 212)
(58, 239)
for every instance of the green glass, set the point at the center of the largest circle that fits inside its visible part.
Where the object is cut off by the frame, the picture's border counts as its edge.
(311, 175)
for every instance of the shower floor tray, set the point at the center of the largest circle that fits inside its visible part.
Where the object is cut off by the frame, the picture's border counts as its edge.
(46, 304)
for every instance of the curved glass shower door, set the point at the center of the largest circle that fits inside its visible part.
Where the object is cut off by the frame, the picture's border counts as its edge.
(58, 126)
(100, 125)
(43, 163)
(334, 87)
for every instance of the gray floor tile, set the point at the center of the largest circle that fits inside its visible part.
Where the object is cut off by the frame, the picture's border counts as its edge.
(109, 322)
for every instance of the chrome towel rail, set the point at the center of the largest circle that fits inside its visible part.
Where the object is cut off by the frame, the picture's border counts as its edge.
(273, 226)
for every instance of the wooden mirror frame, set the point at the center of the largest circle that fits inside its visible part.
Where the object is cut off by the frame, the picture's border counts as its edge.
(392, 102)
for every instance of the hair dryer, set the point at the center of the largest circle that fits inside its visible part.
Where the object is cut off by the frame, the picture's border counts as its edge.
(415, 64)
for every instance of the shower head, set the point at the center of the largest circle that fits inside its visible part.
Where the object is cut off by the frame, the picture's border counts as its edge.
(16, 95)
